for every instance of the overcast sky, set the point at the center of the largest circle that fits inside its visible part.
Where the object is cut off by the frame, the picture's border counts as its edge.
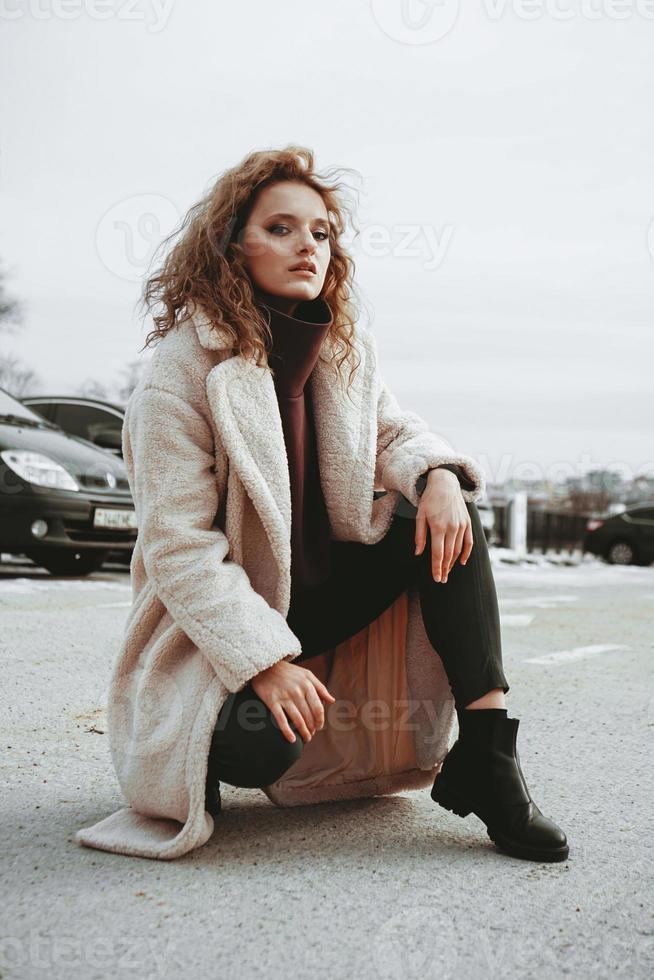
(506, 192)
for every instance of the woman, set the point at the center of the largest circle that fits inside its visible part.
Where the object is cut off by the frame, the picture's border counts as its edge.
(273, 586)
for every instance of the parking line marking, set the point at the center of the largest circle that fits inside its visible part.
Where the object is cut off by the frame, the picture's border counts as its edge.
(540, 602)
(577, 653)
(515, 619)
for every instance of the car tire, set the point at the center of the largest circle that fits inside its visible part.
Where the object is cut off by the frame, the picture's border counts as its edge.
(68, 562)
(621, 553)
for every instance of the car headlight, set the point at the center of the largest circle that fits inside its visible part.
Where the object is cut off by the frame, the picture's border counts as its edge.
(39, 469)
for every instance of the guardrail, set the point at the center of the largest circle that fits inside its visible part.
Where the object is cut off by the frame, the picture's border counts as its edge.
(546, 529)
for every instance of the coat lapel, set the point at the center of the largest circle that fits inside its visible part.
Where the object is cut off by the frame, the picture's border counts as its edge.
(243, 400)
(244, 403)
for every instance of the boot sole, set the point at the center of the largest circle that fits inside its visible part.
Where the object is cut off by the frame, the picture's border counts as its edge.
(457, 804)
(530, 853)
(450, 801)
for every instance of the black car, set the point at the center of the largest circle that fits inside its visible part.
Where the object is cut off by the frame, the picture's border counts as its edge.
(99, 421)
(64, 503)
(623, 539)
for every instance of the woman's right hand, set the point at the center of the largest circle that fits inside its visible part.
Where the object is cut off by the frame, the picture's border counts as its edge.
(288, 689)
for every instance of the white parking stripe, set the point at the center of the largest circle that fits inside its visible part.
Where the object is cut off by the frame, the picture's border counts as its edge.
(540, 602)
(578, 653)
(515, 619)
(27, 586)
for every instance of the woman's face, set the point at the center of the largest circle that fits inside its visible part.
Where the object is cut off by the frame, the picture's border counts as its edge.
(287, 226)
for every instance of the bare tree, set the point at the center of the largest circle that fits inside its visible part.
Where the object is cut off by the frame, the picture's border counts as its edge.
(19, 379)
(16, 377)
(93, 389)
(132, 374)
(117, 392)
(11, 313)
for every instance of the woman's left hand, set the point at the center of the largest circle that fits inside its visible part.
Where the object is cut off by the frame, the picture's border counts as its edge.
(442, 510)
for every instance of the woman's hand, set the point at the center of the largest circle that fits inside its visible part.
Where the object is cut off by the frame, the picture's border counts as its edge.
(287, 687)
(442, 509)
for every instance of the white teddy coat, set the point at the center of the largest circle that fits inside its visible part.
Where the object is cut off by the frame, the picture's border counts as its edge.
(205, 454)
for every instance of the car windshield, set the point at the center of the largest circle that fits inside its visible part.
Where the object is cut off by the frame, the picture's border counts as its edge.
(11, 406)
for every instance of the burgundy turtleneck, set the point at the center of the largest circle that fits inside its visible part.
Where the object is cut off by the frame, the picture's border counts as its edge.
(297, 341)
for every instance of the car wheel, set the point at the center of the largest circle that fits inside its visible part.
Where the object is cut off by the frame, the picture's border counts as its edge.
(69, 562)
(621, 553)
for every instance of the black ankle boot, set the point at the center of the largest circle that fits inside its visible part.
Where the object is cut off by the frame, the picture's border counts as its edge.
(214, 802)
(481, 774)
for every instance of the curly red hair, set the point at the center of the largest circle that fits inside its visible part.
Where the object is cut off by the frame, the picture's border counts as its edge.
(206, 266)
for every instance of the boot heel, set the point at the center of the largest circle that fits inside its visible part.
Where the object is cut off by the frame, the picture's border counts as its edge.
(449, 800)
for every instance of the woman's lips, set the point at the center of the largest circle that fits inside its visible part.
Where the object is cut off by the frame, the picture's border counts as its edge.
(305, 272)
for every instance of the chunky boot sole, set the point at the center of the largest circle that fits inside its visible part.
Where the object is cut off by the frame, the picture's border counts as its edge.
(523, 851)
(451, 800)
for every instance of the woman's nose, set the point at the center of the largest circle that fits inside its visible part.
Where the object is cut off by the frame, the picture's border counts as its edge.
(308, 243)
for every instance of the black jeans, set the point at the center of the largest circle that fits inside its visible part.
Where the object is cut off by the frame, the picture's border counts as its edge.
(460, 616)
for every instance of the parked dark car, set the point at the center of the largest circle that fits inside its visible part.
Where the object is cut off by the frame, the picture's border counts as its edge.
(623, 539)
(64, 503)
(101, 422)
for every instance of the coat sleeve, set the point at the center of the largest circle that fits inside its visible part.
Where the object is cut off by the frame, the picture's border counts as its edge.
(406, 449)
(169, 451)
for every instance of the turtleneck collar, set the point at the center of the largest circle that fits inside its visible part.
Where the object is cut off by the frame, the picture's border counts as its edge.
(296, 343)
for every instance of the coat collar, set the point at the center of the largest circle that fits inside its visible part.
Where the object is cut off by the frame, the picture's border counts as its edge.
(244, 403)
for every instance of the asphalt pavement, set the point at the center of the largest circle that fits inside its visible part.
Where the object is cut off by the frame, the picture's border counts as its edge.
(391, 887)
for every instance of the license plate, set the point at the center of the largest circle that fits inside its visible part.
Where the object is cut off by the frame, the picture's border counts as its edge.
(114, 518)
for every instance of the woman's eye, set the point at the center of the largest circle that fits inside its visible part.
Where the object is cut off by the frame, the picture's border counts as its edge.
(274, 228)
